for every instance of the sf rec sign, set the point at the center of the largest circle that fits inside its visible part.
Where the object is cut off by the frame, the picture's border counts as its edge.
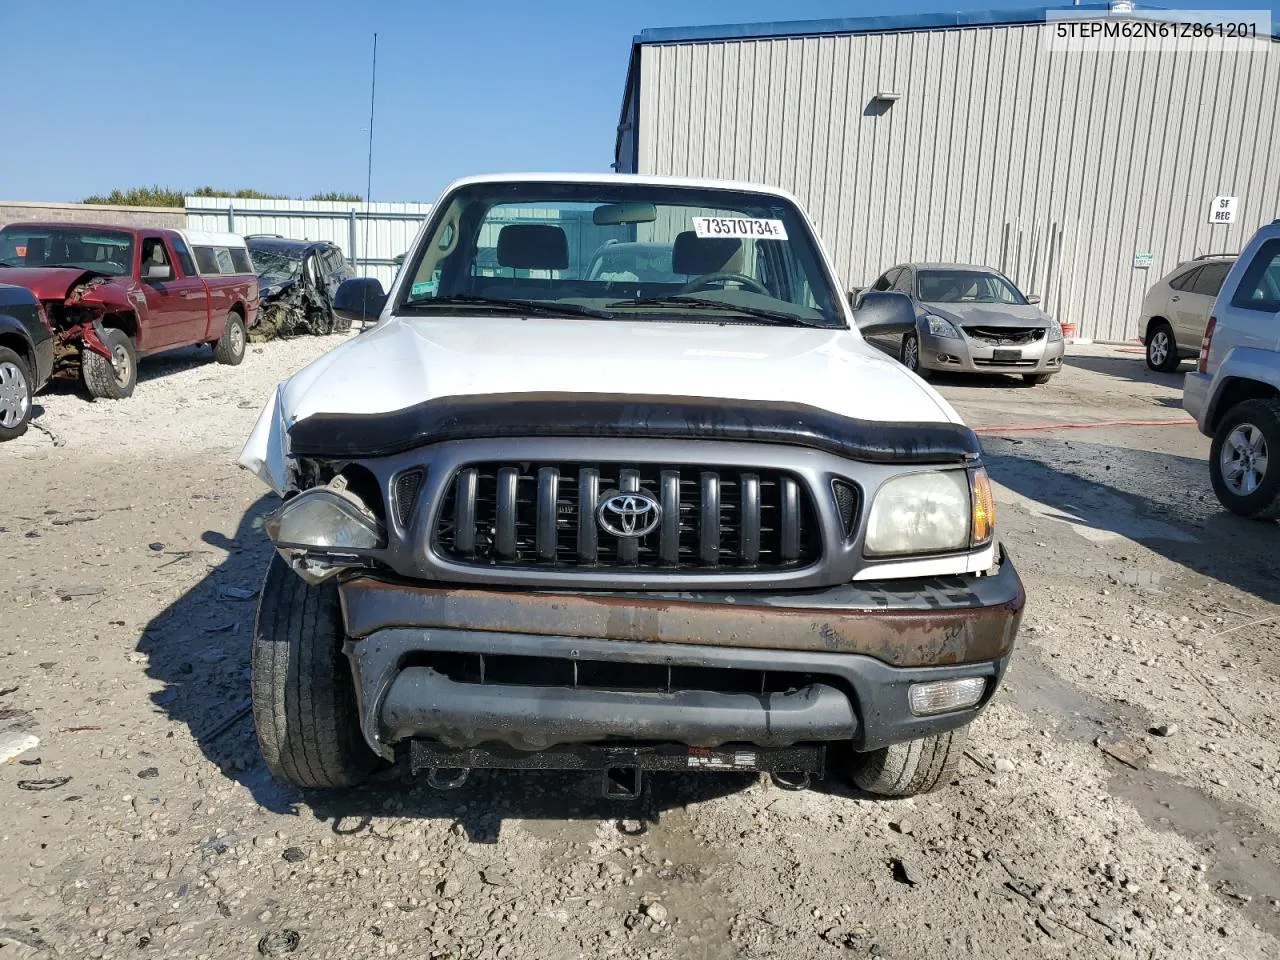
(1223, 210)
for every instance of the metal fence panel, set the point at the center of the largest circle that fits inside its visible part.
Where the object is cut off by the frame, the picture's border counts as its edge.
(371, 235)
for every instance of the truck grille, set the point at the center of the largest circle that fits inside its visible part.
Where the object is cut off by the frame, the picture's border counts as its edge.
(544, 514)
(1005, 336)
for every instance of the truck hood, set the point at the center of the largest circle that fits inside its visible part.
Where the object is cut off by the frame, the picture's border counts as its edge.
(403, 362)
(990, 314)
(47, 283)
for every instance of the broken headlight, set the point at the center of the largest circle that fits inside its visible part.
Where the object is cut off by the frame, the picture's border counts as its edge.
(326, 519)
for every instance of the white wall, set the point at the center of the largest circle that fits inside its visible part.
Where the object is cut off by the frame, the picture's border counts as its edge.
(370, 235)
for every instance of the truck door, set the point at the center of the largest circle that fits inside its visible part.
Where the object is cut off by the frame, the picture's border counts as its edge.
(177, 305)
(195, 295)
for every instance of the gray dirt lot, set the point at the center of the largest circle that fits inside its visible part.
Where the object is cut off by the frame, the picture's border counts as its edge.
(127, 552)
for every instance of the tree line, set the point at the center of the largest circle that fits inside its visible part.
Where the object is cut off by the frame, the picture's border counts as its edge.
(157, 196)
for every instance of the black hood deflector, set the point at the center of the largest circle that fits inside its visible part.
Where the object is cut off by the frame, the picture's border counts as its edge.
(491, 416)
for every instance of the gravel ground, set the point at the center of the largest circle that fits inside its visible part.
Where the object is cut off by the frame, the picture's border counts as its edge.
(143, 823)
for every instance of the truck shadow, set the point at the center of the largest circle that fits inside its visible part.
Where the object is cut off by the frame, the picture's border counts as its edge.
(1160, 500)
(199, 647)
(1131, 367)
(66, 382)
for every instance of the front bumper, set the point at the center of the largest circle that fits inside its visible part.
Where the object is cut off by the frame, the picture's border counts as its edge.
(968, 355)
(534, 671)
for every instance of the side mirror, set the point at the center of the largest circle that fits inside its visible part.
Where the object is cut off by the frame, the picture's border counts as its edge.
(853, 296)
(359, 299)
(885, 312)
(1033, 298)
(157, 271)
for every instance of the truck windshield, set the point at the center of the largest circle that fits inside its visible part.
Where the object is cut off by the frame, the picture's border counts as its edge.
(622, 251)
(86, 248)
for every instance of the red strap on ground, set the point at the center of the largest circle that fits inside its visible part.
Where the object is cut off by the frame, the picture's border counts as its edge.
(1023, 427)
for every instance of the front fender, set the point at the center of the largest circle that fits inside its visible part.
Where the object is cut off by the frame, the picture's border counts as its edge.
(1241, 363)
(15, 327)
(266, 452)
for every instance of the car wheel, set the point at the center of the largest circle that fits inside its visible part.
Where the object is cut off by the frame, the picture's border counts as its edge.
(1244, 479)
(304, 699)
(15, 395)
(910, 355)
(1036, 379)
(1162, 349)
(231, 345)
(112, 379)
(905, 769)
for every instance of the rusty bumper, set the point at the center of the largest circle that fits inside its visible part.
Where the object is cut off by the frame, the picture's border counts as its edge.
(937, 621)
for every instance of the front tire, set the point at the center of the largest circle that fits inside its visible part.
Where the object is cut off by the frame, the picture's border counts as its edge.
(304, 700)
(1244, 479)
(230, 347)
(1162, 348)
(906, 769)
(112, 379)
(1036, 379)
(910, 355)
(15, 395)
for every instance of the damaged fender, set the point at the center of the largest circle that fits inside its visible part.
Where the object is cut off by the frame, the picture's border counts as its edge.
(91, 337)
(265, 453)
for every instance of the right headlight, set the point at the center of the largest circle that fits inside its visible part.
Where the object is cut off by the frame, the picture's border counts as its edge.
(323, 518)
(942, 327)
(939, 511)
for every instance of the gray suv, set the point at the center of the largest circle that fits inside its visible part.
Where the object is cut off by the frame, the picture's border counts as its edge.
(1234, 394)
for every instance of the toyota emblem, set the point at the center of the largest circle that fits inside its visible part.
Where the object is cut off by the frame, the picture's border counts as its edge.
(629, 515)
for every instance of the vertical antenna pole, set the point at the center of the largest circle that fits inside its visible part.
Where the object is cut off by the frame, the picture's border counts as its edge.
(368, 187)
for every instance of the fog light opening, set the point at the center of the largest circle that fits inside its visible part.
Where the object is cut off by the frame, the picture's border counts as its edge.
(944, 696)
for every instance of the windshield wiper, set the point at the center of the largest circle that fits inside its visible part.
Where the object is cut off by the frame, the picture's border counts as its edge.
(700, 303)
(542, 308)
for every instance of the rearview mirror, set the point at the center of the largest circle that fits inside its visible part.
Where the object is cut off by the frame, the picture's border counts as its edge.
(359, 299)
(885, 312)
(612, 214)
(1033, 298)
(157, 271)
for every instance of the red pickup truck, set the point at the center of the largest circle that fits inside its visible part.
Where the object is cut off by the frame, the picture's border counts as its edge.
(114, 294)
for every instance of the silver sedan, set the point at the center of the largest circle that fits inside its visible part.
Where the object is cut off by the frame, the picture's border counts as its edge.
(972, 319)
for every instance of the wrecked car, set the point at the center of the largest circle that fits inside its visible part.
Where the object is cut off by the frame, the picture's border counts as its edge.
(534, 519)
(116, 294)
(26, 357)
(297, 280)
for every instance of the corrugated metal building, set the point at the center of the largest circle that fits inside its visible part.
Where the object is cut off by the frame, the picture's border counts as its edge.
(1061, 169)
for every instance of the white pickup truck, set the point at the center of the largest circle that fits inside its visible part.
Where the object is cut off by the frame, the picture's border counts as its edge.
(1234, 393)
(683, 519)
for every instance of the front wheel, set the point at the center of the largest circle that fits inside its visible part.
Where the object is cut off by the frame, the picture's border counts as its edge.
(1162, 349)
(910, 355)
(1036, 379)
(15, 395)
(304, 698)
(112, 379)
(1240, 460)
(905, 769)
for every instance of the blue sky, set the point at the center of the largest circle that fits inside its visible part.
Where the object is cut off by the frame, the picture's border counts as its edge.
(275, 95)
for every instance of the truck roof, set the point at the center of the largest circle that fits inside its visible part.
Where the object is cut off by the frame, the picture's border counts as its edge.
(204, 238)
(619, 178)
(208, 238)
